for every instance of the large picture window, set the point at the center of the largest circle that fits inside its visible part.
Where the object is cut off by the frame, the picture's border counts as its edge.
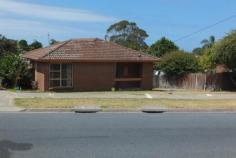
(60, 75)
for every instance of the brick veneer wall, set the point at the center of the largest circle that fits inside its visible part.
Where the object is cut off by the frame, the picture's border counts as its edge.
(147, 76)
(92, 76)
(42, 76)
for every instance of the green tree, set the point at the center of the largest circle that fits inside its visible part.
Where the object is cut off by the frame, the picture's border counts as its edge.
(162, 46)
(13, 69)
(198, 51)
(205, 60)
(7, 45)
(127, 34)
(207, 43)
(178, 63)
(53, 41)
(225, 51)
(35, 45)
(22, 46)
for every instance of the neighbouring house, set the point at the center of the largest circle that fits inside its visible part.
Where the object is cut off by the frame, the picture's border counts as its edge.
(90, 65)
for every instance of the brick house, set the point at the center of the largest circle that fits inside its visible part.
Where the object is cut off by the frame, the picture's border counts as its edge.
(90, 65)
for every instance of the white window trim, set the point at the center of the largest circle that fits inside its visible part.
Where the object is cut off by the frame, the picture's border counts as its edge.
(60, 79)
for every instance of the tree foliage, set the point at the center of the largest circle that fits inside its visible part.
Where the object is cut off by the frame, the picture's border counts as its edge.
(225, 51)
(178, 63)
(207, 43)
(162, 46)
(22, 46)
(127, 34)
(53, 41)
(35, 45)
(14, 71)
(198, 51)
(205, 61)
(7, 45)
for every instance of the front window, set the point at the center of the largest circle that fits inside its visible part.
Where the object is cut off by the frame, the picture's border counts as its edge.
(128, 70)
(60, 75)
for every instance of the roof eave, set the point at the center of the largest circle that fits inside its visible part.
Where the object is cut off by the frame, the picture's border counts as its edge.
(94, 60)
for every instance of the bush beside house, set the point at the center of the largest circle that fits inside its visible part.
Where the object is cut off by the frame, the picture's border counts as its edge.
(14, 70)
(178, 63)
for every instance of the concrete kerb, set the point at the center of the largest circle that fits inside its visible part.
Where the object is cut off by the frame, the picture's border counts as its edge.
(72, 110)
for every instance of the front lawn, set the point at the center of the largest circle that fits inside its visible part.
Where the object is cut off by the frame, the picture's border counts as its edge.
(107, 104)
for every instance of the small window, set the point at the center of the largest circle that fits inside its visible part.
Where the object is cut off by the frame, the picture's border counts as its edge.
(60, 75)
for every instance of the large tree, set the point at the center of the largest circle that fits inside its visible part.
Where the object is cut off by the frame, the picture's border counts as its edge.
(7, 45)
(162, 46)
(178, 63)
(127, 34)
(225, 51)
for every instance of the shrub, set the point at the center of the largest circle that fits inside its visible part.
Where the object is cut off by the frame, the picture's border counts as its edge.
(205, 61)
(178, 63)
(14, 71)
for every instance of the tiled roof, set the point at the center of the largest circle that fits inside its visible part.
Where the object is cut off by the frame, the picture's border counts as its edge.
(88, 50)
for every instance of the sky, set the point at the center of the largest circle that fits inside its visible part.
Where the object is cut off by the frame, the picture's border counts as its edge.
(67, 19)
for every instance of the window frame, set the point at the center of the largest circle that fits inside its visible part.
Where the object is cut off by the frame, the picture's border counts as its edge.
(60, 79)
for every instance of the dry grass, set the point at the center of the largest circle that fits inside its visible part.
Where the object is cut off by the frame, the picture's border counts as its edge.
(125, 103)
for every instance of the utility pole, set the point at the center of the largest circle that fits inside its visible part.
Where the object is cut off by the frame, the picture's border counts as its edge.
(48, 39)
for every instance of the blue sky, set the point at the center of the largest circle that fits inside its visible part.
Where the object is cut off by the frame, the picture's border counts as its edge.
(65, 19)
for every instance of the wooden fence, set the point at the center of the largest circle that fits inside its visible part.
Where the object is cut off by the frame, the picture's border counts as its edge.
(210, 81)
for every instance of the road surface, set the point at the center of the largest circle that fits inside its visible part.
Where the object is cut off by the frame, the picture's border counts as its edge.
(120, 135)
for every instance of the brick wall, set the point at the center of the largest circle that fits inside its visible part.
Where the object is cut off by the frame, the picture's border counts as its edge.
(94, 76)
(147, 76)
(42, 76)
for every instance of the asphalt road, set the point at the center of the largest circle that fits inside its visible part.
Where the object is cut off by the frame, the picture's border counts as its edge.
(168, 135)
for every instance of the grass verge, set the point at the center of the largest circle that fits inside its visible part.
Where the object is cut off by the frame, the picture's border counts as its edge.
(126, 103)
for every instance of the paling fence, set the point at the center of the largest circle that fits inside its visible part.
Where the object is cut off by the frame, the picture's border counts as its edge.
(203, 81)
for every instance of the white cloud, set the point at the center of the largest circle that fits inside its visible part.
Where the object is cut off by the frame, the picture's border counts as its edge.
(54, 13)
(35, 29)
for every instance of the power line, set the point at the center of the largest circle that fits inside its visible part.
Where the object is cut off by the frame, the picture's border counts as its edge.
(205, 28)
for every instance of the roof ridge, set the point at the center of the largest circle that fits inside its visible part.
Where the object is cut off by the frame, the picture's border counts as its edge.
(86, 39)
(62, 44)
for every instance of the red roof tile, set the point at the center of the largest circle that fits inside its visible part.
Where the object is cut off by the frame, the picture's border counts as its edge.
(88, 50)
